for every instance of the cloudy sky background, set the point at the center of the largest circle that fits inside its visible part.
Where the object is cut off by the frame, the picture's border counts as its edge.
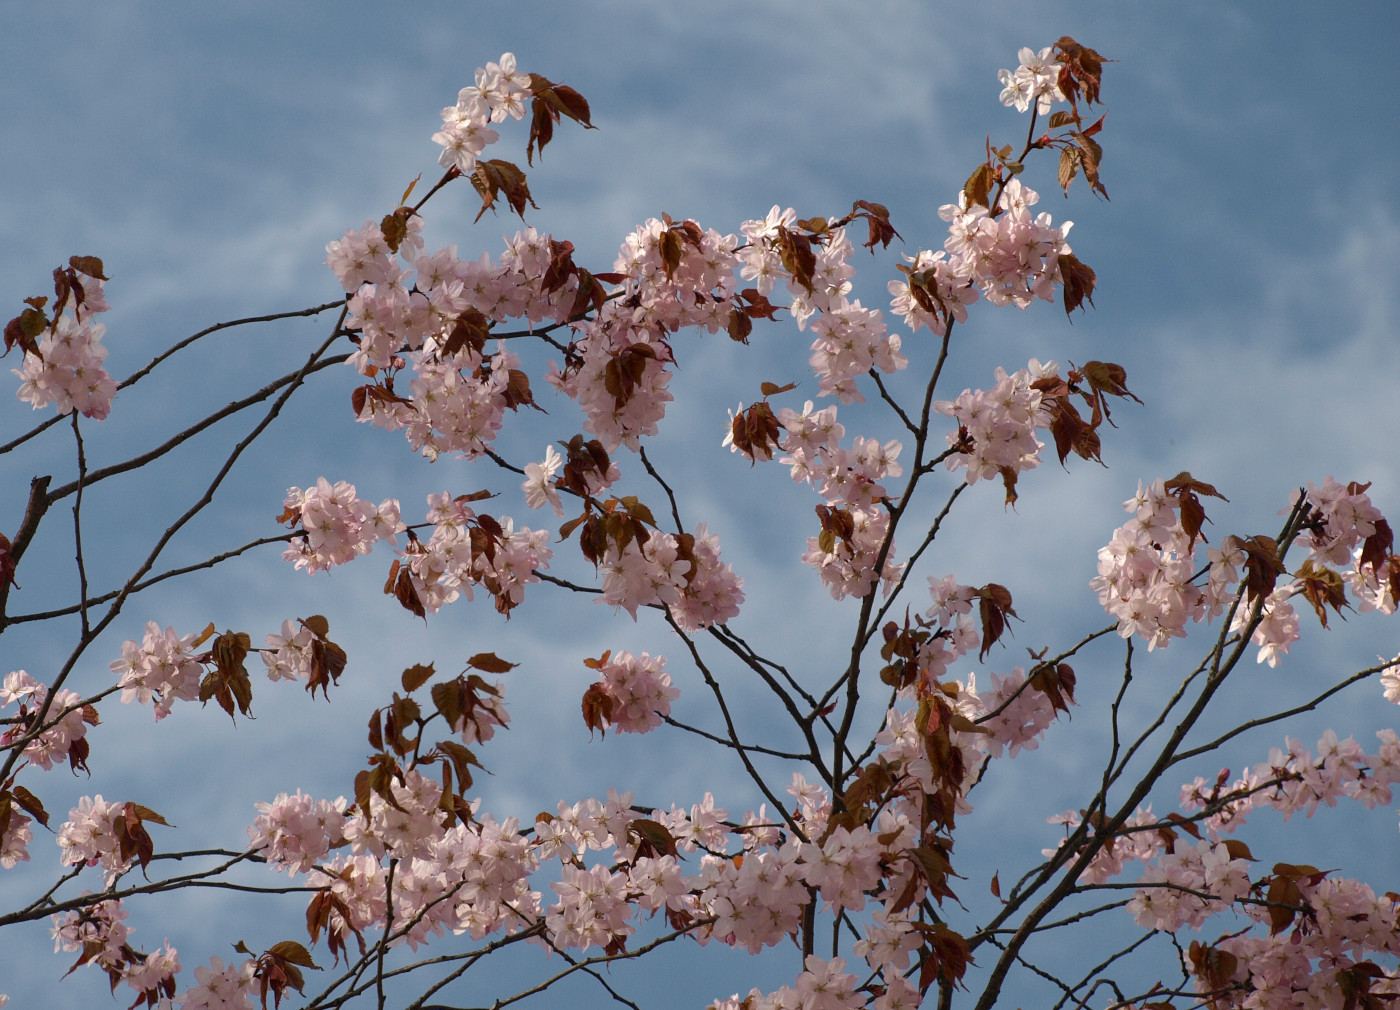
(1246, 280)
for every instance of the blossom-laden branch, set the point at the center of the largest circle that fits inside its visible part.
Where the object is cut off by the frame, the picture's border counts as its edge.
(863, 789)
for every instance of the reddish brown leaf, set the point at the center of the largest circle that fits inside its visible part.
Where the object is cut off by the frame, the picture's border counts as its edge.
(1185, 480)
(29, 803)
(1078, 281)
(1081, 70)
(1068, 167)
(7, 564)
(795, 250)
(89, 266)
(597, 709)
(756, 432)
(489, 662)
(471, 329)
(1376, 549)
(407, 595)
(653, 839)
(494, 177)
(1262, 566)
(877, 217)
(979, 185)
(1214, 966)
(1322, 587)
(994, 606)
(394, 227)
(23, 331)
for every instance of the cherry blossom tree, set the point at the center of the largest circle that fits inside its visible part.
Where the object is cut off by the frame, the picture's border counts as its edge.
(863, 772)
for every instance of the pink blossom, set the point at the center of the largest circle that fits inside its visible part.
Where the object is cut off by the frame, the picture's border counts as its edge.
(89, 836)
(66, 722)
(1000, 425)
(593, 909)
(68, 371)
(640, 689)
(337, 526)
(1035, 80)
(14, 841)
(295, 832)
(539, 481)
(220, 987)
(464, 133)
(163, 669)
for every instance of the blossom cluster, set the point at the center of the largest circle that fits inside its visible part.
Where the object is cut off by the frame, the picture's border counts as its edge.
(100, 933)
(1339, 922)
(618, 372)
(850, 340)
(89, 836)
(499, 92)
(640, 691)
(458, 393)
(1008, 257)
(65, 725)
(1148, 580)
(996, 427)
(296, 832)
(466, 550)
(697, 587)
(164, 668)
(68, 369)
(1036, 80)
(336, 525)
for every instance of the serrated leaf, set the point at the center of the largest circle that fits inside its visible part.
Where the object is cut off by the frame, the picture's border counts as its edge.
(416, 676)
(90, 266)
(489, 662)
(292, 952)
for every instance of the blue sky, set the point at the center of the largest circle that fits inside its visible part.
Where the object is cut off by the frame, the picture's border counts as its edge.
(1246, 279)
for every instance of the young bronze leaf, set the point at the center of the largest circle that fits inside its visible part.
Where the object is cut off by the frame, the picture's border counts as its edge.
(795, 250)
(88, 266)
(407, 595)
(394, 227)
(1069, 167)
(489, 662)
(30, 804)
(1238, 849)
(461, 758)
(1376, 549)
(290, 950)
(653, 839)
(1323, 587)
(597, 709)
(1078, 280)
(1185, 480)
(416, 676)
(877, 217)
(1214, 966)
(450, 699)
(979, 185)
(493, 177)
(1105, 379)
(1262, 566)
(1081, 70)
(471, 329)
(994, 606)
